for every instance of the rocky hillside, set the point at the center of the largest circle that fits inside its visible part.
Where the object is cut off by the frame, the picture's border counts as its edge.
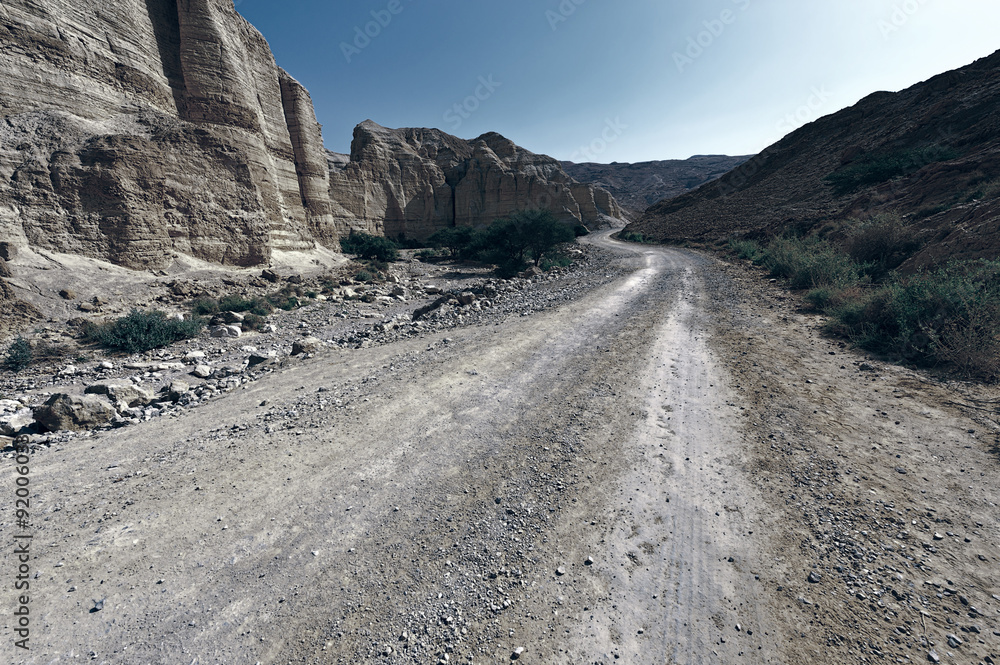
(416, 181)
(931, 152)
(640, 185)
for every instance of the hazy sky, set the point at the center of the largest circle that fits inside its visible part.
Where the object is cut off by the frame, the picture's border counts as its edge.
(627, 81)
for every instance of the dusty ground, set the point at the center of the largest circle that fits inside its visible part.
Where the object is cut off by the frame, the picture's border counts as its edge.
(648, 473)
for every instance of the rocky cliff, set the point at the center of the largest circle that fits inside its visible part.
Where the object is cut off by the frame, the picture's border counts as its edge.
(640, 185)
(139, 128)
(416, 181)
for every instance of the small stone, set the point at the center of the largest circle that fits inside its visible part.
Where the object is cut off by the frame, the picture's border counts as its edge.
(954, 641)
(560, 571)
(933, 657)
(270, 276)
(305, 345)
(67, 294)
(815, 578)
(202, 371)
(938, 536)
(517, 653)
(589, 561)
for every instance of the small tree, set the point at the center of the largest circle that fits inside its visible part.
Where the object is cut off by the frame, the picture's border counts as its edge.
(542, 232)
(371, 247)
(460, 241)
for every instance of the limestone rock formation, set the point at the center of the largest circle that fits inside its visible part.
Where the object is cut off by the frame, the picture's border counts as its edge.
(416, 181)
(139, 128)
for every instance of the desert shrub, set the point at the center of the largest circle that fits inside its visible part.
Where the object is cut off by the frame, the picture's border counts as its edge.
(235, 303)
(810, 263)
(460, 241)
(878, 168)
(950, 315)
(19, 355)
(748, 250)
(426, 255)
(205, 306)
(882, 243)
(631, 236)
(557, 262)
(368, 246)
(253, 321)
(50, 352)
(364, 276)
(141, 331)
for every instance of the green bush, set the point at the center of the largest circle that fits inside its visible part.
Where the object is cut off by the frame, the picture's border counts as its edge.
(748, 250)
(460, 241)
(631, 236)
(881, 243)
(253, 321)
(364, 276)
(205, 306)
(141, 331)
(810, 263)
(878, 168)
(19, 355)
(557, 262)
(950, 315)
(234, 303)
(368, 246)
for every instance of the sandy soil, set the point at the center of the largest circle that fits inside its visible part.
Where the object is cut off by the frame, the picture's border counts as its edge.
(647, 474)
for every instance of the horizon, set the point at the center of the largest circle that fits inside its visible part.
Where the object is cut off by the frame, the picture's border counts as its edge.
(647, 82)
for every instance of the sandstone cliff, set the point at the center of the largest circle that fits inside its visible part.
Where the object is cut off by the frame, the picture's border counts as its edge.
(138, 128)
(416, 181)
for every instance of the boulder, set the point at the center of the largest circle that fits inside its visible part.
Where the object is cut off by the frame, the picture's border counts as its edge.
(123, 396)
(74, 412)
(202, 371)
(306, 345)
(67, 294)
(12, 423)
(270, 275)
(8, 251)
(227, 331)
(466, 298)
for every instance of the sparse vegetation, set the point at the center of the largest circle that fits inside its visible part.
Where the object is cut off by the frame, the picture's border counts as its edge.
(510, 243)
(950, 315)
(19, 355)
(367, 246)
(141, 331)
(231, 303)
(874, 169)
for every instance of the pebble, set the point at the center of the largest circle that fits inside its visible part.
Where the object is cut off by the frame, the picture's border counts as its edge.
(933, 657)
(560, 571)
(815, 578)
(517, 653)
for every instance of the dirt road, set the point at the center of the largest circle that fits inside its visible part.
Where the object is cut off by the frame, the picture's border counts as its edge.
(649, 474)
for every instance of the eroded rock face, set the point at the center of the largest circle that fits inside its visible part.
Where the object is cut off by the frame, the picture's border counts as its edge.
(139, 128)
(416, 181)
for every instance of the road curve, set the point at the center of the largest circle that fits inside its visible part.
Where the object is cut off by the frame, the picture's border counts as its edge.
(570, 484)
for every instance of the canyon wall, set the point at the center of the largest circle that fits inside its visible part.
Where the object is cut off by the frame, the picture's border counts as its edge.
(136, 129)
(416, 181)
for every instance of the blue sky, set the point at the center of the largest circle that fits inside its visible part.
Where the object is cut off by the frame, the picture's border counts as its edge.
(627, 81)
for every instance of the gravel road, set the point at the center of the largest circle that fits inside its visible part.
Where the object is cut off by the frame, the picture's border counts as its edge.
(673, 467)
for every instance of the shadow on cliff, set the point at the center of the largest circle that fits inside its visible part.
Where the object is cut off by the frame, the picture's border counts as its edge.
(167, 32)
